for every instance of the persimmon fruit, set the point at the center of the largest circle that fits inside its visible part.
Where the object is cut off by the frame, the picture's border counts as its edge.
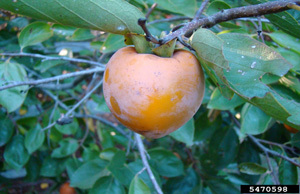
(66, 189)
(290, 129)
(153, 95)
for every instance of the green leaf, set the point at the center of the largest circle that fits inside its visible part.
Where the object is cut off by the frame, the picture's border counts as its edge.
(209, 47)
(252, 168)
(295, 141)
(185, 133)
(34, 139)
(63, 30)
(67, 147)
(219, 102)
(286, 41)
(86, 175)
(6, 130)
(114, 16)
(118, 168)
(283, 20)
(140, 43)
(112, 43)
(80, 35)
(138, 186)
(166, 163)
(15, 153)
(67, 129)
(44, 66)
(12, 98)
(291, 57)
(222, 150)
(216, 6)
(187, 7)
(254, 120)
(287, 173)
(34, 33)
(182, 184)
(108, 154)
(222, 186)
(249, 60)
(50, 167)
(291, 82)
(107, 185)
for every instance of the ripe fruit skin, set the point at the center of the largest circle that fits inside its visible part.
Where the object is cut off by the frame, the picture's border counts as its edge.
(66, 189)
(290, 129)
(152, 95)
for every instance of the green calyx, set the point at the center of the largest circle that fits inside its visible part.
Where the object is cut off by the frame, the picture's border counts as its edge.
(142, 45)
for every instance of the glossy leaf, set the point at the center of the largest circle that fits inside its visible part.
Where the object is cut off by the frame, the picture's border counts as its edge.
(166, 163)
(254, 120)
(112, 43)
(115, 16)
(34, 139)
(66, 147)
(219, 102)
(185, 133)
(12, 98)
(138, 186)
(6, 130)
(252, 168)
(286, 41)
(15, 153)
(86, 176)
(34, 33)
(107, 184)
(81, 35)
(187, 7)
(287, 173)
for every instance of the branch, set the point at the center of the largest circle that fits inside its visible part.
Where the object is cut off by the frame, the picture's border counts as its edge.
(52, 58)
(55, 78)
(230, 14)
(146, 164)
(262, 147)
(170, 20)
(201, 9)
(66, 86)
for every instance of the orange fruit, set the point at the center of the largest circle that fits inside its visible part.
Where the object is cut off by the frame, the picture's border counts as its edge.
(66, 189)
(153, 95)
(290, 129)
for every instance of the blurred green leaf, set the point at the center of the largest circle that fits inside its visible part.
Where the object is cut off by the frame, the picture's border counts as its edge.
(80, 35)
(108, 154)
(286, 41)
(63, 30)
(185, 133)
(295, 140)
(252, 168)
(291, 82)
(50, 167)
(165, 162)
(6, 130)
(187, 7)
(222, 186)
(138, 186)
(254, 120)
(12, 98)
(107, 184)
(15, 153)
(219, 102)
(66, 147)
(34, 33)
(86, 175)
(182, 184)
(34, 139)
(68, 128)
(291, 57)
(112, 43)
(44, 66)
(216, 6)
(288, 174)
(119, 169)
(115, 16)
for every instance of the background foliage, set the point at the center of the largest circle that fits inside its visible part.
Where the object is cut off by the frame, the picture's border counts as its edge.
(252, 88)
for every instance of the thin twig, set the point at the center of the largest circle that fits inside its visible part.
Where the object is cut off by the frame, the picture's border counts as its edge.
(52, 58)
(259, 30)
(149, 37)
(51, 79)
(273, 173)
(150, 10)
(230, 14)
(262, 147)
(201, 9)
(145, 162)
(253, 19)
